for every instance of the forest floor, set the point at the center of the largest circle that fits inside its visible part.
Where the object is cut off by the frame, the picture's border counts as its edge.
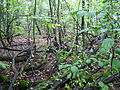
(42, 66)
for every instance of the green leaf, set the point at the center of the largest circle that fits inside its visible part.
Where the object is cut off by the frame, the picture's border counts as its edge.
(74, 75)
(100, 15)
(3, 65)
(114, 17)
(88, 61)
(23, 83)
(116, 29)
(66, 71)
(84, 30)
(106, 74)
(103, 30)
(64, 66)
(69, 75)
(91, 13)
(60, 67)
(106, 45)
(74, 69)
(117, 51)
(100, 64)
(49, 25)
(116, 64)
(103, 86)
(94, 59)
(74, 13)
(80, 14)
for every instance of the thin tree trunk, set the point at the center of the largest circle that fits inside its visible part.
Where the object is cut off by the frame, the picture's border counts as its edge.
(82, 26)
(1, 39)
(59, 27)
(34, 21)
(54, 30)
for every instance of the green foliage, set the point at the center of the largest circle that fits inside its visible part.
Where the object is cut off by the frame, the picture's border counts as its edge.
(64, 66)
(44, 85)
(63, 55)
(103, 86)
(23, 83)
(106, 46)
(67, 87)
(103, 63)
(80, 14)
(74, 69)
(91, 14)
(117, 51)
(4, 78)
(116, 64)
(69, 75)
(19, 30)
(3, 65)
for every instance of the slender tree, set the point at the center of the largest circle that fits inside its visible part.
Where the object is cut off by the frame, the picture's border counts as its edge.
(59, 26)
(82, 25)
(53, 22)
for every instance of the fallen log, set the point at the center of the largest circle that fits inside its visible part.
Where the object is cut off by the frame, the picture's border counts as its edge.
(13, 49)
(27, 50)
(9, 58)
